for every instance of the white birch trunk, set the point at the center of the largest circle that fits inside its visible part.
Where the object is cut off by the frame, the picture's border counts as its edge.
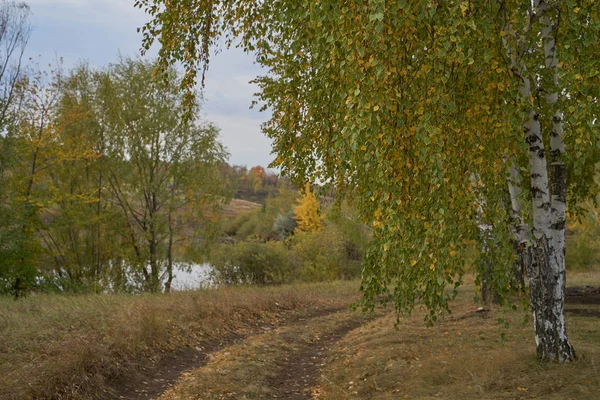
(520, 229)
(486, 234)
(559, 348)
(544, 259)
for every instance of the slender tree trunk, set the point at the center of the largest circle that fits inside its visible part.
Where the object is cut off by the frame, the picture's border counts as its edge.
(169, 257)
(154, 263)
(98, 236)
(486, 236)
(544, 258)
(170, 245)
(519, 228)
(17, 288)
(556, 347)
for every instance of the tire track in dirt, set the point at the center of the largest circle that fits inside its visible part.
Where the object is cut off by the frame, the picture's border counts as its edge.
(153, 379)
(298, 374)
(284, 363)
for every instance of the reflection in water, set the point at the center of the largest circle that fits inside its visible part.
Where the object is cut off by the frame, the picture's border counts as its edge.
(191, 276)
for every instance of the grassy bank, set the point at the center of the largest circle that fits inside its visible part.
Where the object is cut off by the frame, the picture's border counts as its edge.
(73, 346)
(463, 357)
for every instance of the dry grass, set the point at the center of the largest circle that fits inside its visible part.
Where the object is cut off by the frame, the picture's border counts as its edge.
(69, 347)
(463, 357)
(239, 206)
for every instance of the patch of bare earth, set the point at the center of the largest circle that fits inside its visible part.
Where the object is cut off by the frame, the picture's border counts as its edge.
(155, 378)
(239, 206)
(298, 374)
(583, 301)
(285, 363)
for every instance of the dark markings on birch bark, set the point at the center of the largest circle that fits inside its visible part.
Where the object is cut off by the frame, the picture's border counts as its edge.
(548, 308)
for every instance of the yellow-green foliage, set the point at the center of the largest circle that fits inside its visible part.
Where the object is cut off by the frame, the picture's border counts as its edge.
(306, 256)
(258, 224)
(583, 249)
(253, 262)
(306, 212)
(321, 255)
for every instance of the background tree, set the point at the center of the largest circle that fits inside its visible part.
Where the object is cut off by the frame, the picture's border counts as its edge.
(14, 34)
(306, 212)
(105, 186)
(257, 175)
(34, 150)
(75, 228)
(161, 166)
(15, 31)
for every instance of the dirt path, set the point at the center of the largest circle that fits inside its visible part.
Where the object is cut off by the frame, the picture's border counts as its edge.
(284, 363)
(298, 374)
(154, 378)
(153, 381)
(583, 295)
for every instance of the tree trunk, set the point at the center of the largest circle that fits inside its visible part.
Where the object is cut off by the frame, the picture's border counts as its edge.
(170, 245)
(520, 230)
(546, 292)
(489, 292)
(544, 257)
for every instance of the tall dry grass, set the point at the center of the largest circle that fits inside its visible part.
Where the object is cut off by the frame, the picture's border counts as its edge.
(54, 346)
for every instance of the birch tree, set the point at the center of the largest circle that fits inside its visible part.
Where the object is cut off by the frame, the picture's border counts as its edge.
(401, 102)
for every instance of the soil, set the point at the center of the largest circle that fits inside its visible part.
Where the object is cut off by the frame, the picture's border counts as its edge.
(298, 375)
(155, 378)
(583, 295)
(583, 312)
(153, 381)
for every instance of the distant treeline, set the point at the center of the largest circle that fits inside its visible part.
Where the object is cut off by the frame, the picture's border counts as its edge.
(254, 184)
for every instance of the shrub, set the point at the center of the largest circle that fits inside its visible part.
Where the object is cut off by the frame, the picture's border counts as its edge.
(284, 226)
(583, 248)
(322, 256)
(253, 262)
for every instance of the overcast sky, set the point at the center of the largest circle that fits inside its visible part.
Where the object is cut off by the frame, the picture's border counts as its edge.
(97, 30)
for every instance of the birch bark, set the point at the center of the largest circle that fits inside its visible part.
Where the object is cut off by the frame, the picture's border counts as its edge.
(489, 292)
(544, 258)
(520, 229)
(555, 346)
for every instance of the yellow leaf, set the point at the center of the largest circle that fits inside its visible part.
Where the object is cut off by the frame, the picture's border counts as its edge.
(452, 253)
(412, 263)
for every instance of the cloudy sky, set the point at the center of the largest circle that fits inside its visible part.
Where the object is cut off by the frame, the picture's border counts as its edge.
(98, 30)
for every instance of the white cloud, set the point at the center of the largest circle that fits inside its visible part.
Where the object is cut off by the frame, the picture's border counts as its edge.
(96, 30)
